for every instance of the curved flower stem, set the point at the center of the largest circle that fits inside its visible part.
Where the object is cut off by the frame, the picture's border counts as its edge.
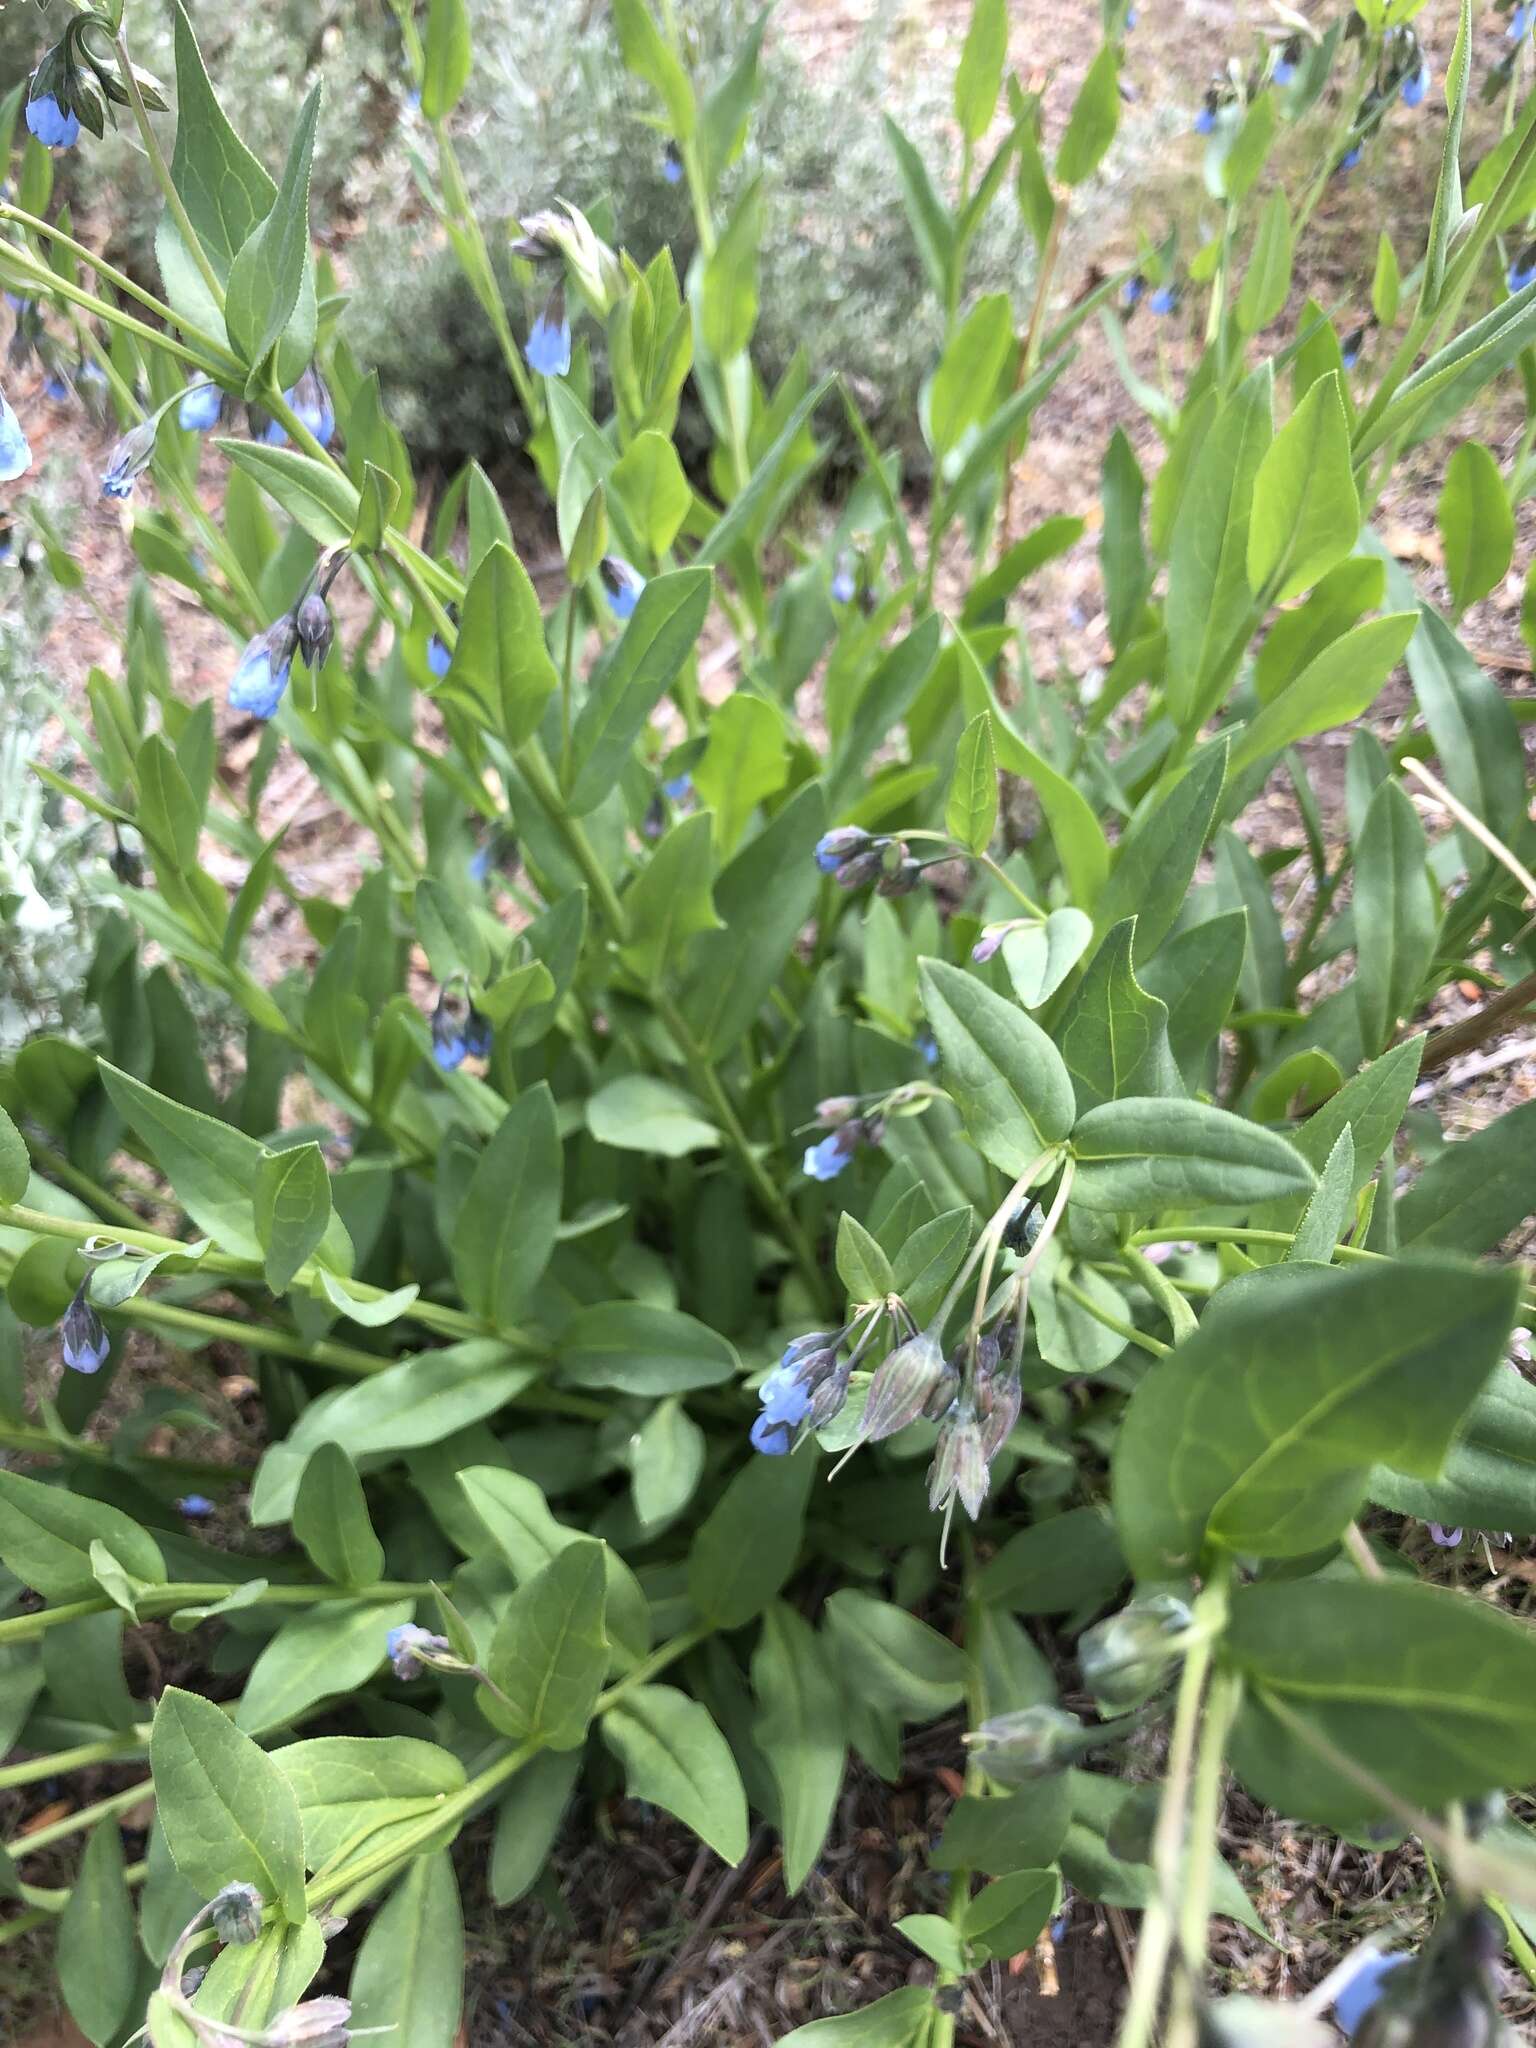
(118, 279)
(106, 1751)
(21, 265)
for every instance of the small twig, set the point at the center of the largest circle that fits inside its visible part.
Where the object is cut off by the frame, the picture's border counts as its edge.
(1467, 1033)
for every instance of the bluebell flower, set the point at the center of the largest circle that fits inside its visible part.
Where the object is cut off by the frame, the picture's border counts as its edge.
(1165, 299)
(926, 1045)
(129, 459)
(14, 300)
(1284, 72)
(410, 1649)
(1416, 86)
(1131, 291)
(1443, 1538)
(836, 847)
(772, 1438)
(261, 674)
(413, 99)
(1349, 353)
(197, 1507)
(15, 455)
(1132, 16)
(478, 1035)
(1349, 159)
(82, 1338)
(1523, 270)
(783, 1398)
(1520, 21)
(236, 1913)
(548, 347)
(672, 164)
(1205, 120)
(56, 127)
(844, 587)
(449, 1046)
(826, 1159)
(312, 402)
(678, 787)
(54, 387)
(479, 863)
(274, 434)
(1363, 1990)
(200, 407)
(622, 584)
(439, 656)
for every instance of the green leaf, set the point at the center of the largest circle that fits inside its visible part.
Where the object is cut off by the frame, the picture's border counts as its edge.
(749, 1543)
(675, 1756)
(449, 55)
(378, 495)
(549, 1653)
(317, 497)
(330, 1519)
(891, 1659)
(1489, 1479)
(46, 1534)
(98, 1955)
(1340, 684)
(1122, 549)
(350, 1787)
(228, 1812)
(936, 1938)
(1396, 915)
(267, 276)
(1331, 1210)
(1007, 1917)
(641, 1349)
(167, 813)
(970, 816)
(1267, 280)
(15, 1165)
(799, 1729)
(1113, 1036)
(650, 57)
(1477, 524)
(212, 1167)
(648, 479)
(666, 1462)
(638, 1113)
(933, 227)
(1156, 859)
(1150, 1153)
(1071, 1561)
(527, 1822)
(1007, 1078)
(965, 383)
(264, 1975)
(517, 1517)
(1298, 636)
(862, 1265)
(1079, 838)
(333, 1647)
(644, 663)
(292, 1210)
(1472, 726)
(745, 760)
(1094, 118)
(979, 75)
(1005, 1834)
(1386, 286)
(1306, 510)
(1473, 1193)
(1250, 147)
(501, 666)
(1208, 593)
(670, 901)
(409, 1973)
(1372, 1104)
(1426, 1689)
(1039, 957)
(1447, 213)
(1298, 1380)
(899, 2020)
(511, 1211)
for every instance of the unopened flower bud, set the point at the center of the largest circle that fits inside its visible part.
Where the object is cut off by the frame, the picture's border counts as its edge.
(128, 460)
(237, 1913)
(901, 1386)
(860, 870)
(1126, 1658)
(1028, 1744)
(959, 1468)
(900, 880)
(317, 2023)
(835, 1110)
(411, 1650)
(999, 1398)
(834, 848)
(82, 1337)
(945, 1388)
(316, 630)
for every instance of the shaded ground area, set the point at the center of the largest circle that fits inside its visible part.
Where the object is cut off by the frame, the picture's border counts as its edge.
(642, 1938)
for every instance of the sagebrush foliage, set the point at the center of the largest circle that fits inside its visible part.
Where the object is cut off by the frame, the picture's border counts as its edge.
(671, 1034)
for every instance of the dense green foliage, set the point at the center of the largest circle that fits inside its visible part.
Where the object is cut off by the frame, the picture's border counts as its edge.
(671, 1033)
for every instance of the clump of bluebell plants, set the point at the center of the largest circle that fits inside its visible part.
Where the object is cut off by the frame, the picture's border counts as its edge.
(690, 1098)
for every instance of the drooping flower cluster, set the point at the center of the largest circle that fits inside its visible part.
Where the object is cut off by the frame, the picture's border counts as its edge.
(854, 858)
(459, 1032)
(846, 1130)
(622, 585)
(806, 1388)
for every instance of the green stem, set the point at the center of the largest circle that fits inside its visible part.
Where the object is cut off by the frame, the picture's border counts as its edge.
(36, 278)
(73, 1823)
(118, 279)
(106, 1751)
(26, 1628)
(41, 1443)
(1156, 1940)
(540, 779)
(565, 688)
(1204, 1821)
(1118, 1324)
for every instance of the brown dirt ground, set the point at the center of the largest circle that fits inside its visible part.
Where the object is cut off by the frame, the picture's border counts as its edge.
(649, 1941)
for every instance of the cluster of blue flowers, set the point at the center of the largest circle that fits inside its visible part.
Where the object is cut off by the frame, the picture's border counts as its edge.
(459, 1033)
(804, 1391)
(854, 858)
(261, 674)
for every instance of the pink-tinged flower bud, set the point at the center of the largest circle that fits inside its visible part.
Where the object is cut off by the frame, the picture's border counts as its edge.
(989, 942)
(959, 1468)
(998, 1400)
(837, 1109)
(317, 2023)
(901, 1386)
